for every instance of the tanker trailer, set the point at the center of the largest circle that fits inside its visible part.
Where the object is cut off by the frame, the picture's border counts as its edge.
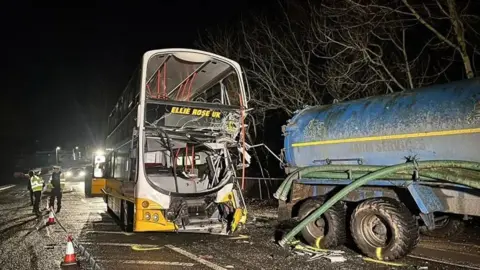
(433, 133)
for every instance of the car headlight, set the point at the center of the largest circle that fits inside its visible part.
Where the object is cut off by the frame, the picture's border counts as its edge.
(68, 174)
(82, 173)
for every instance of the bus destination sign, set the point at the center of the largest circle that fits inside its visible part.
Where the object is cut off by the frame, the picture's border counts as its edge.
(196, 112)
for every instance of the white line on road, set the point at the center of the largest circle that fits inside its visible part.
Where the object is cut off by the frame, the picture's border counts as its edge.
(443, 262)
(110, 232)
(6, 187)
(195, 258)
(147, 262)
(48, 231)
(109, 244)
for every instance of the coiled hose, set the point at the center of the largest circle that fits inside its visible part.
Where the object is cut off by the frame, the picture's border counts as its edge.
(459, 172)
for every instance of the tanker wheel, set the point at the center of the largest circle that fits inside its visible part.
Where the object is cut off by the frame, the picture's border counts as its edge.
(329, 230)
(384, 229)
(445, 227)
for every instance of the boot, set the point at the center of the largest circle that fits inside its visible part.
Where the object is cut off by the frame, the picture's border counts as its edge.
(58, 209)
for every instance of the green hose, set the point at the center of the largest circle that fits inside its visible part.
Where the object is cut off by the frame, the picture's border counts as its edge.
(377, 174)
(356, 175)
(445, 174)
(282, 191)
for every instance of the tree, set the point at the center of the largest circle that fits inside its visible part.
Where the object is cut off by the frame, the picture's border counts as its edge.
(310, 53)
(454, 36)
(370, 51)
(277, 59)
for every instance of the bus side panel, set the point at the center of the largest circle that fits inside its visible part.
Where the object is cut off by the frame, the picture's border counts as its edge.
(97, 185)
(114, 190)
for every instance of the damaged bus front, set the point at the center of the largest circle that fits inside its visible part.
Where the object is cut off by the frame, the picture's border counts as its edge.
(185, 145)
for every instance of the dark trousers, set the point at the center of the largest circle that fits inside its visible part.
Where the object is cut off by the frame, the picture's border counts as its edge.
(31, 196)
(56, 192)
(29, 187)
(36, 203)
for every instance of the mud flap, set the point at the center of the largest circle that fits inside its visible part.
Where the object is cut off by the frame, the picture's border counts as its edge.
(427, 201)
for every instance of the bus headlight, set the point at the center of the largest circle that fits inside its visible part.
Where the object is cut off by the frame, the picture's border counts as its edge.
(147, 216)
(155, 217)
(82, 173)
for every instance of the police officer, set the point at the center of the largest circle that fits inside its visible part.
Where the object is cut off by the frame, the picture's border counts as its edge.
(56, 190)
(36, 184)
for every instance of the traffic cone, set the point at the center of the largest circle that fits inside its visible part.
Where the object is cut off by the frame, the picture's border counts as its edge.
(70, 258)
(51, 217)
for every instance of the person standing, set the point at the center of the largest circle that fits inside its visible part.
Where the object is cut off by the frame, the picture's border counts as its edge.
(56, 190)
(36, 184)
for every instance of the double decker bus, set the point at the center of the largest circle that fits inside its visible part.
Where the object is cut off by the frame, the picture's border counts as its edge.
(176, 141)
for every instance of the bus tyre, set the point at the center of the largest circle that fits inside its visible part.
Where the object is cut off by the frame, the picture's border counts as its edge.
(126, 218)
(445, 228)
(88, 187)
(329, 231)
(384, 229)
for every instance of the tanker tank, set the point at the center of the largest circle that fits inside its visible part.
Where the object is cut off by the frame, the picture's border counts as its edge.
(440, 122)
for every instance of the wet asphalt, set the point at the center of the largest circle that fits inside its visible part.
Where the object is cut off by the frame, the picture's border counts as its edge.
(26, 243)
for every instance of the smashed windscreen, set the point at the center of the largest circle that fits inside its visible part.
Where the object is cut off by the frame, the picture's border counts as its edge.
(192, 77)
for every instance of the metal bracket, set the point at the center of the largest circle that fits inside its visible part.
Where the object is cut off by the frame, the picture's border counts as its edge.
(427, 201)
(429, 220)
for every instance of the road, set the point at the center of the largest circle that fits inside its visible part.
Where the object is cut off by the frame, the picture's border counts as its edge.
(26, 243)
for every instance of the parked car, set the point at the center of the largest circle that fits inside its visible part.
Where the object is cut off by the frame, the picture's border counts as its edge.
(75, 173)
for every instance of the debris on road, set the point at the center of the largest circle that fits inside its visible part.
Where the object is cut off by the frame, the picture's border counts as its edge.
(145, 247)
(240, 237)
(206, 257)
(333, 256)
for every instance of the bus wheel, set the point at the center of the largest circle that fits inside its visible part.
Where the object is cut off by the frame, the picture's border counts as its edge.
(445, 227)
(88, 187)
(126, 218)
(384, 229)
(328, 231)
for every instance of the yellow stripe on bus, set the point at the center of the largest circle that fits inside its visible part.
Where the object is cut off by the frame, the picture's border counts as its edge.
(391, 137)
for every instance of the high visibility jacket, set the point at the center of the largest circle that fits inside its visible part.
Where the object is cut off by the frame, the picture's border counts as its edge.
(37, 183)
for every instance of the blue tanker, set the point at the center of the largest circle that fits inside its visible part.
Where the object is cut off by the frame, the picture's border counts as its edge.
(439, 122)
(338, 157)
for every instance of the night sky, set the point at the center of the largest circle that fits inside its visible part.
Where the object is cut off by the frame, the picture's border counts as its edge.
(66, 67)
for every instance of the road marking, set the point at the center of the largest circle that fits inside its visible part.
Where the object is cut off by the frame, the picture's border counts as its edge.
(114, 244)
(435, 242)
(145, 247)
(110, 232)
(6, 187)
(195, 258)
(48, 231)
(147, 262)
(442, 262)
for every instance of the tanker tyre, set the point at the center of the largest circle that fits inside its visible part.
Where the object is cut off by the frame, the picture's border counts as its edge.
(384, 229)
(327, 232)
(451, 227)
